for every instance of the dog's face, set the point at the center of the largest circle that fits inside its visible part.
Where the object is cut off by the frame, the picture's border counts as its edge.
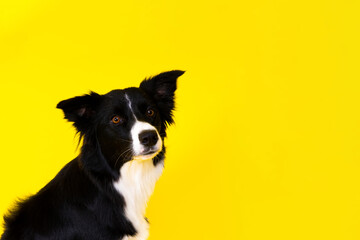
(129, 125)
(126, 124)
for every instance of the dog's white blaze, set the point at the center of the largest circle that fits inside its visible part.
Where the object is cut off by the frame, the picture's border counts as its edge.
(136, 184)
(129, 103)
(136, 129)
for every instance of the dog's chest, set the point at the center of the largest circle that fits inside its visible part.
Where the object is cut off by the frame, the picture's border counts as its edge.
(136, 184)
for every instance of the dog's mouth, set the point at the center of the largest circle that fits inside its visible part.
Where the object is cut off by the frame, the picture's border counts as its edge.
(147, 154)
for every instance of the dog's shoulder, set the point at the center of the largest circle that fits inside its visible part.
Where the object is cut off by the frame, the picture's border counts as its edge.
(69, 205)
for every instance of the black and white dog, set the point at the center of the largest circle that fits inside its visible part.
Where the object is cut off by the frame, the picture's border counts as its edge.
(102, 194)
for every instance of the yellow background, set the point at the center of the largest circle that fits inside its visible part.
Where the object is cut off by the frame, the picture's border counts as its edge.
(267, 137)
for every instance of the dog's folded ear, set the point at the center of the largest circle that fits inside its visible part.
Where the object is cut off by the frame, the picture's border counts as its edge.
(81, 109)
(162, 88)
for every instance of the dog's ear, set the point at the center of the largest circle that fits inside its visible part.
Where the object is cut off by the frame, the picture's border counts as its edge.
(81, 109)
(162, 88)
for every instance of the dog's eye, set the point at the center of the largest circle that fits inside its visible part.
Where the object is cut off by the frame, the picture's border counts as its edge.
(117, 119)
(150, 112)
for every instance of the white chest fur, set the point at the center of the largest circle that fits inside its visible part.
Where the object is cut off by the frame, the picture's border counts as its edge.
(136, 184)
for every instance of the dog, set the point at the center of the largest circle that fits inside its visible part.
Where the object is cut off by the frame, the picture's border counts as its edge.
(102, 193)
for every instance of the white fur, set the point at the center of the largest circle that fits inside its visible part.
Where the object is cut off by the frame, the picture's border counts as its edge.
(129, 103)
(136, 184)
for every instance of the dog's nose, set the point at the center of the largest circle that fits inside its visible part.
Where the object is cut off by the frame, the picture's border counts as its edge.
(148, 138)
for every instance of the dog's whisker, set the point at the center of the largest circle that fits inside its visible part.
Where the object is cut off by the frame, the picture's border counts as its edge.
(125, 152)
(125, 140)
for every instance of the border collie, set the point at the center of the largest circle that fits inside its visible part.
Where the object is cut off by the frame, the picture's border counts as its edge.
(102, 194)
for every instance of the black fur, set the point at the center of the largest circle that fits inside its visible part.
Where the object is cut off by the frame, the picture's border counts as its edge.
(81, 203)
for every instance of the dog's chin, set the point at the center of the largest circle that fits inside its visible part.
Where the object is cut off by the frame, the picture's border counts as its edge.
(146, 156)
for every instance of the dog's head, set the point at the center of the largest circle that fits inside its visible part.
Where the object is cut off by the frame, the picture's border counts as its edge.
(127, 124)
